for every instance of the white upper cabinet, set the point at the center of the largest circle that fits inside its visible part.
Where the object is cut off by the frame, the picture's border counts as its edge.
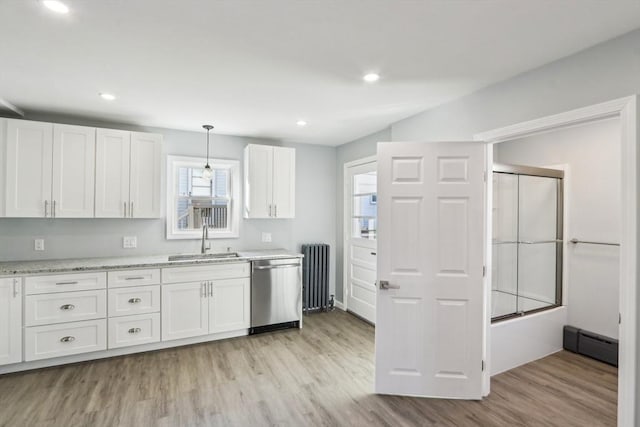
(269, 181)
(145, 175)
(29, 159)
(128, 174)
(74, 150)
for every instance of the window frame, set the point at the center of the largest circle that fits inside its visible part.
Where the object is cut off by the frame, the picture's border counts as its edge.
(233, 166)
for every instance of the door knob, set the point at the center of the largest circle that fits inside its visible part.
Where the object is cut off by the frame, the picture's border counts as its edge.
(384, 284)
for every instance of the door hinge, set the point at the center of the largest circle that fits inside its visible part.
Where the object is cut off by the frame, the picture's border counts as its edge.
(485, 176)
(483, 366)
(619, 318)
(484, 271)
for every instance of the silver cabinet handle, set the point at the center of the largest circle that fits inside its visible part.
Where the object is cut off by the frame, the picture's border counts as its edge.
(66, 283)
(135, 300)
(53, 210)
(211, 289)
(203, 290)
(269, 267)
(16, 291)
(67, 339)
(275, 211)
(125, 209)
(67, 307)
(384, 284)
(270, 210)
(131, 209)
(134, 330)
(46, 205)
(134, 278)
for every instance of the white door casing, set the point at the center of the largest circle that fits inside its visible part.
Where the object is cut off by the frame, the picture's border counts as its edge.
(431, 210)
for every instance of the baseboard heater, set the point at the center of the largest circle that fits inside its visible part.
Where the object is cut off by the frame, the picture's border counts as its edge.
(592, 345)
(315, 277)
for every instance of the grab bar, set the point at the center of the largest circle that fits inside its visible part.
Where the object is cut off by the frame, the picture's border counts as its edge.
(587, 242)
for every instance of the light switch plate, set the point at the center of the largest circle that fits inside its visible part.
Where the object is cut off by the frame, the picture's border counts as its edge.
(266, 237)
(39, 245)
(129, 242)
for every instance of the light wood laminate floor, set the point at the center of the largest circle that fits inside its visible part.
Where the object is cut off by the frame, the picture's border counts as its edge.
(321, 375)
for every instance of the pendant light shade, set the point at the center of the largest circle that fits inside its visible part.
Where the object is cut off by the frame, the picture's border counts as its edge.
(207, 172)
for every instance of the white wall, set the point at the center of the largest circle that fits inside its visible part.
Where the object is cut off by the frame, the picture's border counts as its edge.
(592, 153)
(67, 238)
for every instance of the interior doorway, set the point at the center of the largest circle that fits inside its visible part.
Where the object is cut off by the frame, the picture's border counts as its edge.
(360, 226)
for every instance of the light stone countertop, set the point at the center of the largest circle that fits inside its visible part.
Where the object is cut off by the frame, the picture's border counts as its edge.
(18, 268)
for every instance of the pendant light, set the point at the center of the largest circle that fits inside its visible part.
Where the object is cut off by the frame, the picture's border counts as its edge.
(207, 173)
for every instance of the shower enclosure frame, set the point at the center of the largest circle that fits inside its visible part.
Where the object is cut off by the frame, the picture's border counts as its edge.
(559, 238)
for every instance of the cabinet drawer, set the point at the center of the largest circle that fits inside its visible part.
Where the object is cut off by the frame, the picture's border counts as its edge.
(135, 300)
(45, 309)
(119, 279)
(44, 342)
(205, 272)
(64, 283)
(134, 330)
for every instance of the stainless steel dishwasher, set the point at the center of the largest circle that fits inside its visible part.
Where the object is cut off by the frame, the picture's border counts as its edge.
(276, 294)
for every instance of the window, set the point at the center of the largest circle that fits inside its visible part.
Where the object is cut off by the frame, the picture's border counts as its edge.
(193, 201)
(364, 214)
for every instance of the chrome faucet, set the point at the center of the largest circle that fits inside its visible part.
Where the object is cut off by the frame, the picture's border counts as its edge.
(205, 236)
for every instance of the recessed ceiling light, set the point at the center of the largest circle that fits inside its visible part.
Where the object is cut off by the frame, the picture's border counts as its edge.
(301, 123)
(107, 96)
(371, 77)
(56, 6)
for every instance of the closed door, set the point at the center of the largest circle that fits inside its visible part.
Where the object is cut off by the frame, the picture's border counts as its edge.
(185, 310)
(229, 305)
(258, 181)
(28, 168)
(430, 327)
(360, 239)
(112, 173)
(74, 151)
(145, 175)
(10, 320)
(284, 182)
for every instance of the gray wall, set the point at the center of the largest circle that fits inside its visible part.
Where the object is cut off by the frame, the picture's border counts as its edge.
(66, 238)
(604, 72)
(363, 147)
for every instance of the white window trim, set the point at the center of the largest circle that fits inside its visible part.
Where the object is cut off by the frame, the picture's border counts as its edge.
(175, 162)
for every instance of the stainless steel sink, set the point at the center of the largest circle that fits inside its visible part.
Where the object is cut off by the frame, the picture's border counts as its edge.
(195, 257)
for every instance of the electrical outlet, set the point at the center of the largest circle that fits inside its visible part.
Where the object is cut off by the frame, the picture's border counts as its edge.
(39, 244)
(129, 242)
(266, 237)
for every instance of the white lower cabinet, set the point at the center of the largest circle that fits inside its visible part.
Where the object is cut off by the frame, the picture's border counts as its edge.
(134, 300)
(133, 330)
(44, 309)
(229, 305)
(10, 320)
(43, 342)
(185, 310)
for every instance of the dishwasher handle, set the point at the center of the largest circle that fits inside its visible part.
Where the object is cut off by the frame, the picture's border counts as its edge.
(269, 267)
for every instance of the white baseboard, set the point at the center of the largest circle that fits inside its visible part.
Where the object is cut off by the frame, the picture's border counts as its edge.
(339, 305)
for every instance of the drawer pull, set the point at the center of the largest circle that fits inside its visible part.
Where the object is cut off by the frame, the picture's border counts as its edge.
(134, 330)
(134, 278)
(134, 300)
(67, 307)
(66, 283)
(68, 339)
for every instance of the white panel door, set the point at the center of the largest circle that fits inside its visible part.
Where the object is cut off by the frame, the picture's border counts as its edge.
(430, 322)
(284, 182)
(360, 239)
(185, 310)
(74, 152)
(10, 320)
(112, 173)
(145, 175)
(28, 168)
(258, 172)
(229, 305)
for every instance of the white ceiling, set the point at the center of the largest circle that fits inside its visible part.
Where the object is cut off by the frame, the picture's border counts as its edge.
(255, 67)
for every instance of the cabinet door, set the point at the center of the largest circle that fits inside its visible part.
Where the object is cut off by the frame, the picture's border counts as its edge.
(112, 173)
(284, 182)
(28, 168)
(185, 310)
(229, 305)
(74, 151)
(146, 149)
(10, 320)
(258, 172)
